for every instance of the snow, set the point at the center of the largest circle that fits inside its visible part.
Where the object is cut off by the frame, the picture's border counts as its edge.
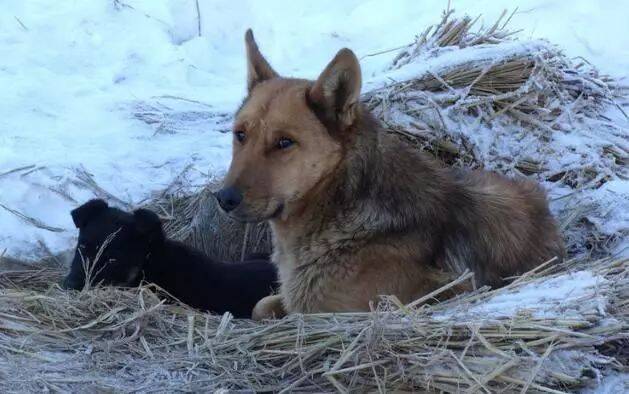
(614, 195)
(95, 86)
(545, 298)
(617, 382)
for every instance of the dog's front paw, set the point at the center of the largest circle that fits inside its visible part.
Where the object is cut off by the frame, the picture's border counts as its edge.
(270, 307)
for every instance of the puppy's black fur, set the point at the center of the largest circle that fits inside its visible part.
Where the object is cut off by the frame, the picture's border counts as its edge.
(133, 247)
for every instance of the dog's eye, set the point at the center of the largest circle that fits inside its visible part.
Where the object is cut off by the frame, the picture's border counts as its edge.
(285, 143)
(240, 135)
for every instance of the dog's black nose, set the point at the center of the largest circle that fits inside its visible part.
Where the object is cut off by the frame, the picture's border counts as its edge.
(229, 198)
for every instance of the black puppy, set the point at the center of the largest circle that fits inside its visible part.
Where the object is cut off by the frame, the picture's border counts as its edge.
(122, 249)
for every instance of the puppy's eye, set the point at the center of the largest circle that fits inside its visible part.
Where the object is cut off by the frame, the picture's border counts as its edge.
(285, 143)
(240, 136)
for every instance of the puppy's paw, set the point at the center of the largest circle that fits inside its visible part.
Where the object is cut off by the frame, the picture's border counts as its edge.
(270, 307)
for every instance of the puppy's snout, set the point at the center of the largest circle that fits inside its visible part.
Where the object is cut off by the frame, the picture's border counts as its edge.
(229, 198)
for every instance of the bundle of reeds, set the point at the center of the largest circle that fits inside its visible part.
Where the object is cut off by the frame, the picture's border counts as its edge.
(490, 77)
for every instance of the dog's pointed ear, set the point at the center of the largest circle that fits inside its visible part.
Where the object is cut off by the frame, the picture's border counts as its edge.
(336, 92)
(86, 212)
(148, 225)
(258, 69)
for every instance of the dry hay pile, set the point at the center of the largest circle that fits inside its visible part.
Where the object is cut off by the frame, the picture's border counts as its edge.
(472, 99)
(197, 219)
(494, 80)
(128, 340)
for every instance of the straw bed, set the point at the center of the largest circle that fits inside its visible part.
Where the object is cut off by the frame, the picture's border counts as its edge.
(129, 340)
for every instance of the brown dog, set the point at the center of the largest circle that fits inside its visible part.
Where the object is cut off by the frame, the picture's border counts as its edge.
(357, 213)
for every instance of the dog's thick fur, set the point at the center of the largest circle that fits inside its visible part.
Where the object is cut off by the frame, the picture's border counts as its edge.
(125, 248)
(356, 212)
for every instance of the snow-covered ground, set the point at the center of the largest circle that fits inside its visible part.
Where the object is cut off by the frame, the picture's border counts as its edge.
(87, 86)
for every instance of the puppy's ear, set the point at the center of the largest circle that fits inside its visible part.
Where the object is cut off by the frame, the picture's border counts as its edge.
(86, 212)
(336, 92)
(148, 225)
(258, 69)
